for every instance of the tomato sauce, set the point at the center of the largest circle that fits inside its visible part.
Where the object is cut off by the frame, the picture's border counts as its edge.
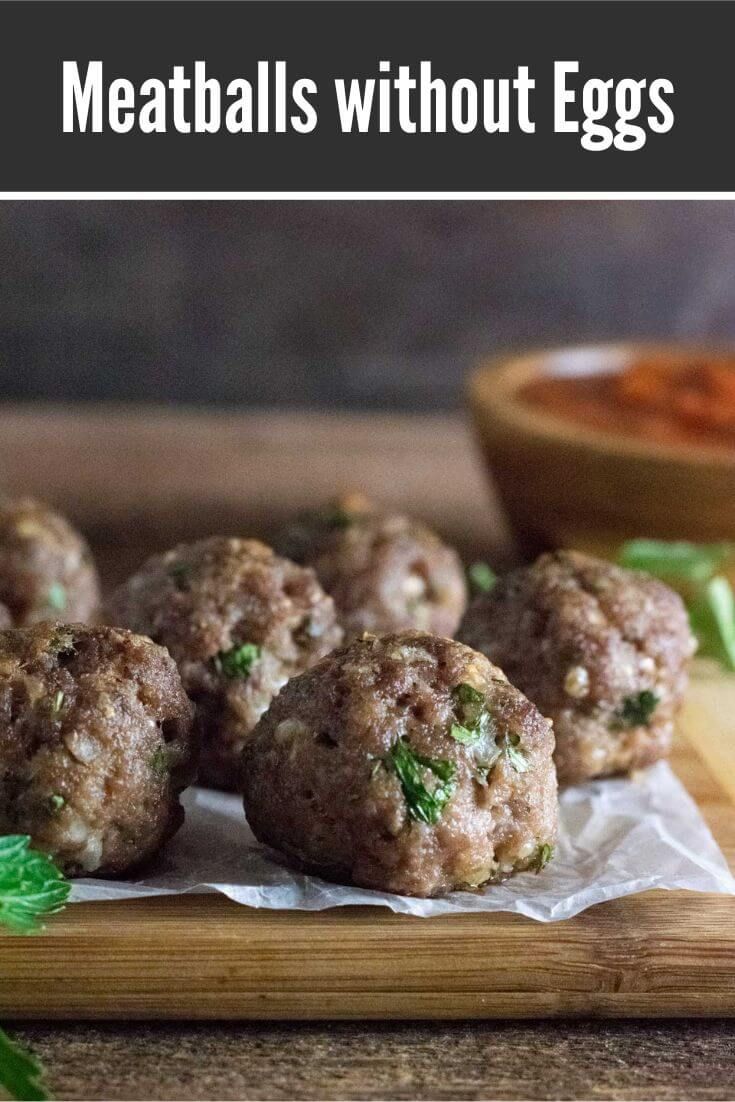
(692, 402)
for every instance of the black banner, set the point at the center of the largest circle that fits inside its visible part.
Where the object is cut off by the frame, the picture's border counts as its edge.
(367, 96)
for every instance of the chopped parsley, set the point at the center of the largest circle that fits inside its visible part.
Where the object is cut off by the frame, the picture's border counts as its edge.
(424, 805)
(237, 662)
(56, 597)
(636, 710)
(473, 718)
(677, 560)
(57, 703)
(56, 802)
(21, 1075)
(475, 722)
(30, 884)
(541, 857)
(513, 755)
(160, 761)
(482, 577)
(179, 573)
(61, 642)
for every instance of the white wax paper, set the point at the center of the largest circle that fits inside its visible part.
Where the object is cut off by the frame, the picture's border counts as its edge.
(617, 837)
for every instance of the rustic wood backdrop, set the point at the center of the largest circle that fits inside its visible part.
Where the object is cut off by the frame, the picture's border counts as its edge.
(341, 304)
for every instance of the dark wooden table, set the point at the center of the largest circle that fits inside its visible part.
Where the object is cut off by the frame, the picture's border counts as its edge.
(138, 480)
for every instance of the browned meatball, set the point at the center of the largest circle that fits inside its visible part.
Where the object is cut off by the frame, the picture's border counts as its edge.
(601, 650)
(386, 573)
(405, 763)
(239, 621)
(95, 744)
(46, 569)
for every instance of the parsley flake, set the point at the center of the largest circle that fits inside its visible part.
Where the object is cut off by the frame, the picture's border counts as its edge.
(30, 884)
(636, 710)
(542, 856)
(482, 577)
(56, 597)
(237, 662)
(423, 805)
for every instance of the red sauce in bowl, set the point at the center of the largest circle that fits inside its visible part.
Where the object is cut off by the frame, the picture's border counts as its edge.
(692, 402)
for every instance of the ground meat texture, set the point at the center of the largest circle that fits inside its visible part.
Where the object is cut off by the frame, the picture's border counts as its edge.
(95, 745)
(602, 651)
(385, 573)
(239, 621)
(46, 568)
(406, 763)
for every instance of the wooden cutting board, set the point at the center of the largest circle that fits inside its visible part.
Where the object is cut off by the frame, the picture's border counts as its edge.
(140, 479)
(660, 953)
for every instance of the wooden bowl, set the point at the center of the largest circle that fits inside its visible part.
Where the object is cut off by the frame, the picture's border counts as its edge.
(566, 485)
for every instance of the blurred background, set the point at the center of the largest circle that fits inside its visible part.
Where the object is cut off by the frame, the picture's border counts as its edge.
(344, 305)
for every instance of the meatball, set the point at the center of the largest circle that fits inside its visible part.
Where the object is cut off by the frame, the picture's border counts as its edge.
(386, 573)
(95, 744)
(406, 763)
(46, 569)
(601, 650)
(239, 621)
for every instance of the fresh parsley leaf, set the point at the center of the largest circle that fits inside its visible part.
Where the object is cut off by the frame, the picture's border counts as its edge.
(160, 761)
(712, 615)
(637, 710)
(423, 805)
(513, 755)
(677, 560)
(56, 802)
(56, 597)
(179, 573)
(57, 703)
(237, 662)
(61, 642)
(542, 856)
(21, 1075)
(30, 884)
(465, 735)
(482, 577)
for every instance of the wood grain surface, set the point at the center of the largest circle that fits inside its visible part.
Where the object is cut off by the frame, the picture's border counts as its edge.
(201, 956)
(139, 479)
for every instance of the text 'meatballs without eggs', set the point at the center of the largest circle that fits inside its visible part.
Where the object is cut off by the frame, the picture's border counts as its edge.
(239, 621)
(386, 573)
(406, 763)
(95, 744)
(602, 651)
(46, 568)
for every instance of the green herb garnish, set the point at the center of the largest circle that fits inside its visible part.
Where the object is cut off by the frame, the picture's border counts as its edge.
(56, 597)
(541, 857)
(238, 662)
(56, 802)
(712, 615)
(709, 595)
(515, 757)
(423, 805)
(160, 761)
(637, 710)
(677, 560)
(61, 642)
(57, 703)
(21, 1075)
(482, 577)
(31, 886)
(472, 715)
(179, 573)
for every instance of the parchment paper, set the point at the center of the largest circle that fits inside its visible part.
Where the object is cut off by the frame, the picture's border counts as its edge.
(618, 837)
